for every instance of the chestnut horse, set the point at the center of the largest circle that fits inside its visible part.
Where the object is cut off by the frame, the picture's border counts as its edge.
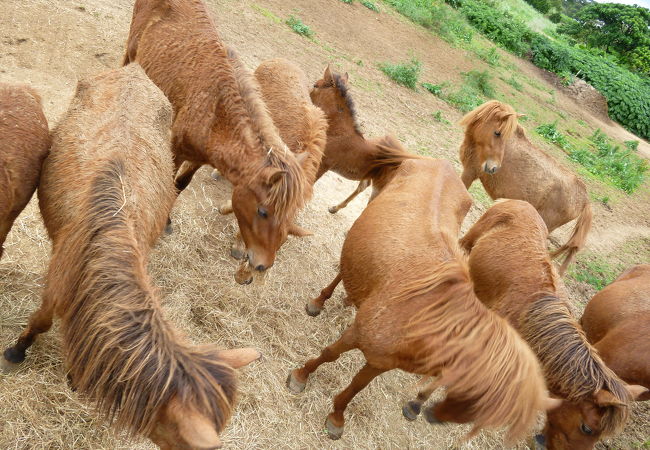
(497, 151)
(302, 126)
(403, 271)
(25, 141)
(348, 152)
(110, 164)
(219, 120)
(617, 323)
(513, 276)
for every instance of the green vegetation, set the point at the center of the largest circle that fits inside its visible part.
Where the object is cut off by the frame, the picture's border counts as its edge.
(602, 158)
(296, 25)
(490, 56)
(594, 271)
(437, 116)
(347, 1)
(266, 13)
(465, 99)
(435, 89)
(512, 81)
(480, 81)
(370, 5)
(406, 74)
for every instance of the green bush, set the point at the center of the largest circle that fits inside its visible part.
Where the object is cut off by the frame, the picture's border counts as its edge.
(542, 6)
(490, 56)
(481, 81)
(296, 25)
(435, 89)
(465, 99)
(406, 74)
(435, 17)
(370, 5)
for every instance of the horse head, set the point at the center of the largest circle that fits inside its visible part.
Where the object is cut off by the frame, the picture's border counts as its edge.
(487, 129)
(579, 425)
(331, 94)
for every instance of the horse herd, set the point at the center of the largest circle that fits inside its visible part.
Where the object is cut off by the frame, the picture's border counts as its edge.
(484, 315)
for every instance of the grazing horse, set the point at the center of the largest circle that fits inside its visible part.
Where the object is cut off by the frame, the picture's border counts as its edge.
(302, 126)
(497, 151)
(403, 271)
(617, 323)
(25, 141)
(513, 276)
(219, 119)
(105, 196)
(348, 152)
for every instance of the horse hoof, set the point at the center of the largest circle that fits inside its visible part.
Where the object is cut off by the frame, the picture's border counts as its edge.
(312, 310)
(430, 417)
(14, 356)
(7, 366)
(237, 253)
(411, 411)
(294, 385)
(215, 175)
(333, 209)
(226, 208)
(169, 229)
(333, 431)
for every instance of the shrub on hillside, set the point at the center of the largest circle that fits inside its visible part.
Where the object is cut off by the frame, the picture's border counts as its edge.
(405, 74)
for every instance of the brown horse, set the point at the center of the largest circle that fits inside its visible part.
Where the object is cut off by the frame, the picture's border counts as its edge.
(497, 151)
(110, 162)
(403, 271)
(302, 126)
(219, 120)
(348, 152)
(617, 323)
(25, 141)
(513, 275)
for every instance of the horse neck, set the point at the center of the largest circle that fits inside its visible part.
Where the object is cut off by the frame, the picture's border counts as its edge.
(342, 128)
(120, 351)
(572, 366)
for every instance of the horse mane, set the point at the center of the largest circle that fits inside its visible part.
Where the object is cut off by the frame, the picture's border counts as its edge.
(489, 111)
(479, 356)
(572, 366)
(290, 192)
(390, 154)
(344, 91)
(120, 351)
(315, 138)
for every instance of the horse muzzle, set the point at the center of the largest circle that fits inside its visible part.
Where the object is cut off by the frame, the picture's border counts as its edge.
(490, 168)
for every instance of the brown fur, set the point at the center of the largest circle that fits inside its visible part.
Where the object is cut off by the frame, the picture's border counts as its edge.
(219, 120)
(348, 152)
(617, 322)
(514, 276)
(403, 270)
(25, 142)
(523, 172)
(110, 156)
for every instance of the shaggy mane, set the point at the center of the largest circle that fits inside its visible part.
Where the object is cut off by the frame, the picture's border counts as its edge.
(344, 92)
(490, 111)
(572, 366)
(120, 351)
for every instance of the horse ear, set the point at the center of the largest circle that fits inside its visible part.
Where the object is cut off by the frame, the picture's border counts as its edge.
(275, 176)
(345, 78)
(327, 76)
(551, 403)
(196, 429)
(636, 391)
(519, 116)
(605, 398)
(239, 357)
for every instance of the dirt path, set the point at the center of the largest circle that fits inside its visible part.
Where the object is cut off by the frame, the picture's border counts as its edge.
(52, 44)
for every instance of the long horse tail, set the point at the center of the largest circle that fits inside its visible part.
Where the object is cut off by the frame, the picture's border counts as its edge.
(390, 154)
(480, 358)
(314, 144)
(121, 353)
(577, 239)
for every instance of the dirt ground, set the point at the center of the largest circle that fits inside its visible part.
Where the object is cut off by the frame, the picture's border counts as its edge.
(51, 45)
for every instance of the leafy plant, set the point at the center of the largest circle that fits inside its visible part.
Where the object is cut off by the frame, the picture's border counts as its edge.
(465, 99)
(405, 74)
(490, 56)
(631, 145)
(438, 118)
(512, 81)
(481, 81)
(435, 89)
(595, 272)
(349, 2)
(296, 25)
(370, 5)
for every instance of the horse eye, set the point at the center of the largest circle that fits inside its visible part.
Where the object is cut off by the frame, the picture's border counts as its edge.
(262, 212)
(497, 133)
(586, 430)
(340, 109)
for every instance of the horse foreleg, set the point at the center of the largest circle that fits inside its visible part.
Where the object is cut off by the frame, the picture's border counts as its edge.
(225, 208)
(238, 249)
(412, 408)
(450, 410)
(39, 322)
(336, 420)
(298, 377)
(184, 175)
(315, 306)
(363, 184)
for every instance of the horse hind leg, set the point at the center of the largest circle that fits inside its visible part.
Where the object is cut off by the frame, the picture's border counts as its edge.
(411, 409)
(336, 419)
(315, 306)
(363, 184)
(297, 379)
(450, 410)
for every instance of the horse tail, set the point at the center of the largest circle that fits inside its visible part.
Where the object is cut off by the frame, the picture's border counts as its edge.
(480, 358)
(314, 143)
(121, 353)
(577, 239)
(390, 154)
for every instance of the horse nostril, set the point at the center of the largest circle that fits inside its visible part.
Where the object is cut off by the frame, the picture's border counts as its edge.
(260, 268)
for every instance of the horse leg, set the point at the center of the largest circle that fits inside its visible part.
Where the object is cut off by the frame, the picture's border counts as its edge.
(450, 410)
(363, 184)
(315, 306)
(336, 420)
(225, 208)
(238, 249)
(298, 377)
(39, 322)
(184, 175)
(412, 408)
(5, 226)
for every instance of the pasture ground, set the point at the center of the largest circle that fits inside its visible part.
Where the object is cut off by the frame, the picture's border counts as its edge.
(53, 44)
